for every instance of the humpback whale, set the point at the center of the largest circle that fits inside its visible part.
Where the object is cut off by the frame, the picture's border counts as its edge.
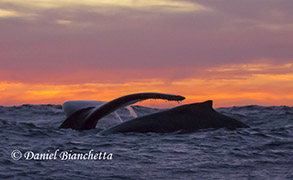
(88, 117)
(184, 118)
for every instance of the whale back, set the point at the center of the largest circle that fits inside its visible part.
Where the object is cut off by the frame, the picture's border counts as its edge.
(185, 118)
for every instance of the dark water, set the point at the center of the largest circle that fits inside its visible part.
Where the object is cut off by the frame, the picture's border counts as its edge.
(264, 151)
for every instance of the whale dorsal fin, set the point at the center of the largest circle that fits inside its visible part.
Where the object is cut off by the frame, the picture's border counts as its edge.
(208, 103)
(89, 117)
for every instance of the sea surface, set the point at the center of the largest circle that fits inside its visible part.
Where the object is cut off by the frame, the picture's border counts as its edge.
(263, 151)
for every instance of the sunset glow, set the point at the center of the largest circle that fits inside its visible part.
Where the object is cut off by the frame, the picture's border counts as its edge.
(267, 89)
(52, 51)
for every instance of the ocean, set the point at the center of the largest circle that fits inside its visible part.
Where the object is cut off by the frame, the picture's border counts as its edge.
(33, 147)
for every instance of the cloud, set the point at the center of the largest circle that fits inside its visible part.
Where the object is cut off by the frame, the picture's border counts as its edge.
(106, 7)
(37, 93)
(210, 44)
(61, 21)
(74, 35)
(5, 13)
(227, 85)
(250, 69)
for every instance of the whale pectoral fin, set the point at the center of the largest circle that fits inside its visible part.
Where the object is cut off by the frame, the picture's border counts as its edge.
(89, 119)
(127, 100)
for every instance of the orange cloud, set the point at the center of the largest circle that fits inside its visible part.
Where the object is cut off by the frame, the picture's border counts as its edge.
(14, 93)
(256, 87)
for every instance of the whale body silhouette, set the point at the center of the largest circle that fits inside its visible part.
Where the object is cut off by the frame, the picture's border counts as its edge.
(184, 118)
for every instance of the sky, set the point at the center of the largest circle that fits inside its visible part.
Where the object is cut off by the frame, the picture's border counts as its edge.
(231, 51)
